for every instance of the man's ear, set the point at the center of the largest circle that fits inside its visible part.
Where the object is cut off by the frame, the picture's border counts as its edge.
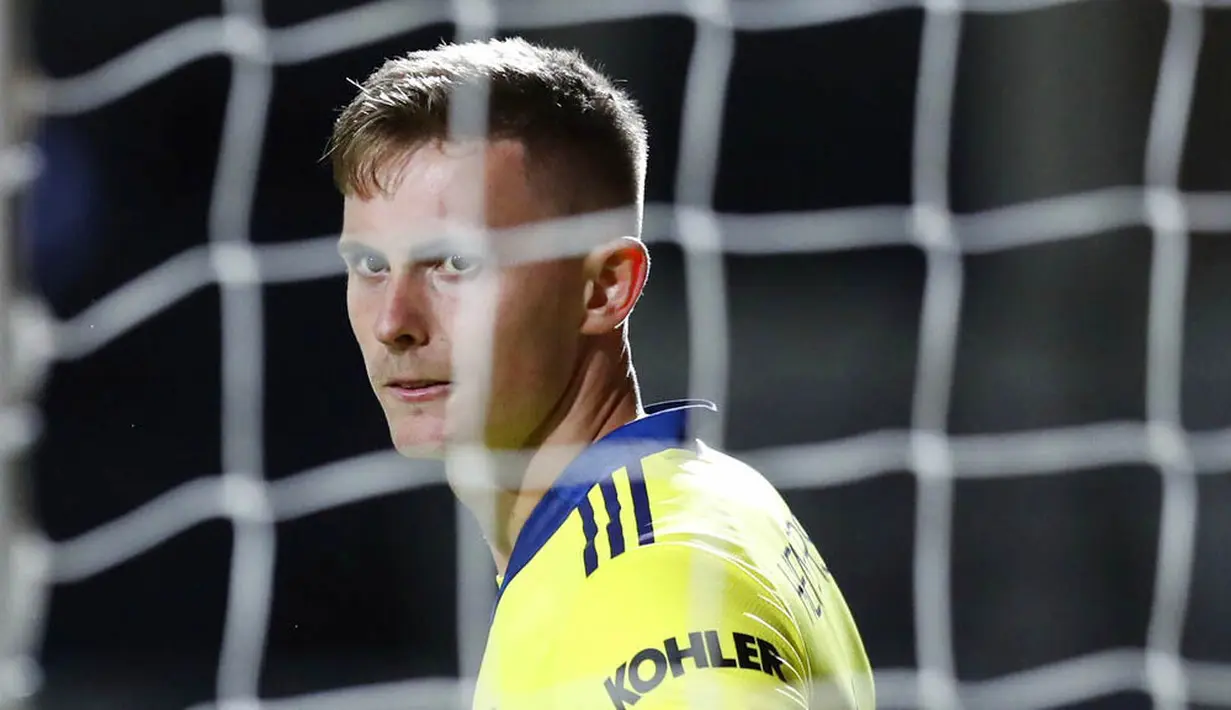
(615, 277)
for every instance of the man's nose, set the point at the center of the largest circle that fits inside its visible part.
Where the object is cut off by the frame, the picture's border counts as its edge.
(404, 320)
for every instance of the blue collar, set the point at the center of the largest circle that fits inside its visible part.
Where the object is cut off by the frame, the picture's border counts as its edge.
(665, 425)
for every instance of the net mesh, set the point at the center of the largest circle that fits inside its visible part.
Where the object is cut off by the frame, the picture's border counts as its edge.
(239, 267)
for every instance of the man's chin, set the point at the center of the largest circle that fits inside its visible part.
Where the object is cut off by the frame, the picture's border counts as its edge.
(422, 450)
(418, 442)
(422, 439)
(435, 444)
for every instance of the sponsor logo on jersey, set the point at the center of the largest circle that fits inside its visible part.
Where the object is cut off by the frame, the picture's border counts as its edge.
(678, 655)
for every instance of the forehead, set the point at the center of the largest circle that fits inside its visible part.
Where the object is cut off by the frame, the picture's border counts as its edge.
(443, 185)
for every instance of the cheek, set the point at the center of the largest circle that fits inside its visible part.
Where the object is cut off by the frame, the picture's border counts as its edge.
(536, 330)
(354, 310)
(360, 312)
(352, 307)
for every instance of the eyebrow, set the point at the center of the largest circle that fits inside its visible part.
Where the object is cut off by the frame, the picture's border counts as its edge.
(431, 250)
(349, 250)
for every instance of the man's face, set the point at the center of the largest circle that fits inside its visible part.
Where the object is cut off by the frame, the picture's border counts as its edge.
(412, 290)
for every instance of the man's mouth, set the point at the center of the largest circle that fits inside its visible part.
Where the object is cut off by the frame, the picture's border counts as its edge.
(417, 391)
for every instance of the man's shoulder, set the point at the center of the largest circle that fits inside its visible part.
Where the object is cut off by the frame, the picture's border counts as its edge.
(701, 471)
(695, 499)
(695, 495)
(707, 493)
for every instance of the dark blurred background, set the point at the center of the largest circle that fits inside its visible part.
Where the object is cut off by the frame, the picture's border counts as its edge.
(822, 346)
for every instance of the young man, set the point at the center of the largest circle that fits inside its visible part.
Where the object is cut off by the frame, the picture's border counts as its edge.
(637, 566)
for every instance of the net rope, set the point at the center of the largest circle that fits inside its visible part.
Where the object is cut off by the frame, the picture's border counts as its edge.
(239, 267)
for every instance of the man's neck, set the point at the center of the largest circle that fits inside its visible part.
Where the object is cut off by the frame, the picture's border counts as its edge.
(605, 399)
(549, 461)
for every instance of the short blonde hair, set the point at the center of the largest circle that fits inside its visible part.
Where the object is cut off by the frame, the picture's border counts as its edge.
(585, 138)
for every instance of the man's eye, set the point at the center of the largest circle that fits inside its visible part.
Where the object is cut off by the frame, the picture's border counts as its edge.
(459, 265)
(370, 265)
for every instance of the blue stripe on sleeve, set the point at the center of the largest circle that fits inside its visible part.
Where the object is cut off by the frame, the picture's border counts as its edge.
(641, 503)
(590, 528)
(615, 530)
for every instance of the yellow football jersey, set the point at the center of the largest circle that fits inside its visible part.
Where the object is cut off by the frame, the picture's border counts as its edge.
(660, 573)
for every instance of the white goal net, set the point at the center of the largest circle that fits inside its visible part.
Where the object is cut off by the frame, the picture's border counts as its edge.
(241, 268)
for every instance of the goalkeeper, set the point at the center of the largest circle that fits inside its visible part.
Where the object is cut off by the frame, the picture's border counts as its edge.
(636, 566)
